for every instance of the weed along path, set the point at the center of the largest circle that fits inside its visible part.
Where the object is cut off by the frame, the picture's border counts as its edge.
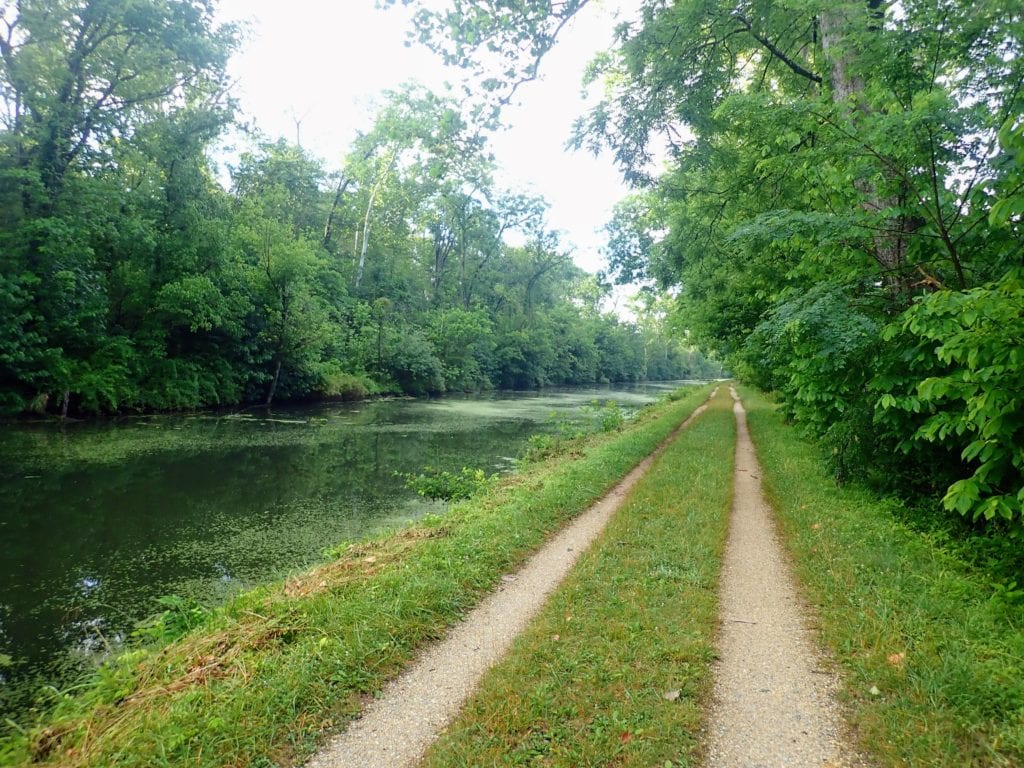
(773, 697)
(396, 729)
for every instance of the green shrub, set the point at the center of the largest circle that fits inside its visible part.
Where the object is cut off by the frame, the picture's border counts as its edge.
(609, 415)
(346, 386)
(180, 616)
(410, 361)
(442, 485)
(977, 402)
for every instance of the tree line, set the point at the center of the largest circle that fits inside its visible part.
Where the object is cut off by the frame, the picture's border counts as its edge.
(131, 279)
(835, 191)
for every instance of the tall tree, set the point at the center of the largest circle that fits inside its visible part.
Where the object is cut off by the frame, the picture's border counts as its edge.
(827, 165)
(78, 74)
(106, 107)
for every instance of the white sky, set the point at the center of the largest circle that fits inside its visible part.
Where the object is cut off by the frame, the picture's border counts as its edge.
(323, 62)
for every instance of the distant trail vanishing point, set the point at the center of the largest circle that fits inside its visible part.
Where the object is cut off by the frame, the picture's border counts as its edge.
(774, 701)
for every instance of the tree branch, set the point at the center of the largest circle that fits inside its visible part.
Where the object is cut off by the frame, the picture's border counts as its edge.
(533, 70)
(776, 51)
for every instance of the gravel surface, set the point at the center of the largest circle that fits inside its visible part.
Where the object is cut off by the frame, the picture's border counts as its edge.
(774, 695)
(396, 729)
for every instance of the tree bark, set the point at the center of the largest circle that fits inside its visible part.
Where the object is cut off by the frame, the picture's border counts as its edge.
(344, 182)
(366, 220)
(833, 25)
(273, 383)
(366, 238)
(343, 185)
(889, 242)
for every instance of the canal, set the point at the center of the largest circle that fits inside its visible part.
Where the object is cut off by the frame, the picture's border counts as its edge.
(99, 520)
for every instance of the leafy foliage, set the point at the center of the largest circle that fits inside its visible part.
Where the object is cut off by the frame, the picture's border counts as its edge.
(449, 486)
(978, 337)
(179, 617)
(815, 350)
(130, 280)
(833, 214)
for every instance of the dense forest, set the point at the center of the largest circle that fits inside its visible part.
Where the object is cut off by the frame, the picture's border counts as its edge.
(836, 191)
(132, 278)
(829, 195)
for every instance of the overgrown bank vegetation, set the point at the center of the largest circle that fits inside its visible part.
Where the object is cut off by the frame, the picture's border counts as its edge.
(130, 279)
(931, 648)
(264, 678)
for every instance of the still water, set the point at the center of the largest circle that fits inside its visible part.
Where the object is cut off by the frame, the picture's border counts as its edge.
(99, 520)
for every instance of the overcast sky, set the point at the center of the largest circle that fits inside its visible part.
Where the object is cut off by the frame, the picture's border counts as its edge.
(322, 63)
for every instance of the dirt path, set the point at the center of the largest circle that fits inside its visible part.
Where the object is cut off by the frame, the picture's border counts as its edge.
(774, 698)
(396, 728)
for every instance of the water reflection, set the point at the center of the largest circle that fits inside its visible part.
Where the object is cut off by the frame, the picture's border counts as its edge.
(99, 520)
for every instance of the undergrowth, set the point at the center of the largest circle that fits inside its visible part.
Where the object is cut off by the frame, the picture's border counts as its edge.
(566, 429)
(266, 677)
(440, 484)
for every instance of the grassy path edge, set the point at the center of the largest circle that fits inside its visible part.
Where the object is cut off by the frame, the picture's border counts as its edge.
(277, 668)
(932, 658)
(616, 668)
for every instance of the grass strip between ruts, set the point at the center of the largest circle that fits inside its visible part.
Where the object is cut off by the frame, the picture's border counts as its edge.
(932, 656)
(616, 668)
(275, 669)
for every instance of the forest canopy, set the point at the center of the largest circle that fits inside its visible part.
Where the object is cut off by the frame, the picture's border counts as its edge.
(133, 278)
(835, 192)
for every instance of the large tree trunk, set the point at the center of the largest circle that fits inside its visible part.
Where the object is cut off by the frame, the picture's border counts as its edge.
(366, 237)
(834, 25)
(273, 384)
(444, 244)
(889, 241)
(369, 210)
(344, 181)
(339, 192)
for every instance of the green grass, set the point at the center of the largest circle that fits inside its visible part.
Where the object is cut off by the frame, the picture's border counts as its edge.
(272, 672)
(634, 621)
(902, 615)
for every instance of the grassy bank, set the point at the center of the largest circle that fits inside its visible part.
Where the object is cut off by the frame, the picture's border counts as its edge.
(616, 669)
(932, 653)
(264, 678)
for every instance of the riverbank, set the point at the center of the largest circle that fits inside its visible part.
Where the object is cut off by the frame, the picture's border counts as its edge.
(402, 722)
(367, 395)
(203, 506)
(277, 668)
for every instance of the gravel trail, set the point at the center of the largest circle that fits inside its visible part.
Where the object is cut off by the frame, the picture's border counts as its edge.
(396, 729)
(774, 696)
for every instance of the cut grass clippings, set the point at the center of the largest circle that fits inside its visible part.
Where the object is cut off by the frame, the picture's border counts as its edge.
(931, 654)
(273, 671)
(616, 668)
